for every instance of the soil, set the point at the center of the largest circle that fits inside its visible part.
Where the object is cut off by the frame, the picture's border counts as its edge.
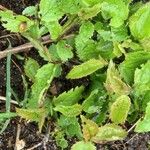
(29, 131)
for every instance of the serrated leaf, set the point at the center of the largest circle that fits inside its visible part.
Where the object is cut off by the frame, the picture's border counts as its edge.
(89, 128)
(69, 111)
(85, 33)
(119, 109)
(54, 28)
(89, 12)
(50, 10)
(30, 68)
(37, 115)
(114, 84)
(69, 98)
(70, 126)
(64, 51)
(86, 47)
(43, 78)
(109, 132)
(139, 22)
(142, 79)
(88, 103)
(86, 68)
(83, 146)
(132, 61)
(15, 23)
(30, 11)
(144, 125)
(111, 10)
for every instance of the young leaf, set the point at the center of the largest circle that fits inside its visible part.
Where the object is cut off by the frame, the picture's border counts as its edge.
(43, 79)
(89, 128)
(69, 111)
(111, 10)
(64, 51)
(15, 23)
(144, 125)
(69, 98)
(91, 2)
(119, 109)
(132, 61)
(83, 146)
(86, 68)
(140, 21)
(114, 82)
(109, 132)
(30, 11)
(37, 115)
(30, 68)
(142, 79)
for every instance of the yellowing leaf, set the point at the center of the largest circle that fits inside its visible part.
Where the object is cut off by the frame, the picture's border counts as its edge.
(114, 84)
(69, 111)
(90, 128)
(119, 109)
(83, 146)
(109, 132)
(37, 115)
(85, 69)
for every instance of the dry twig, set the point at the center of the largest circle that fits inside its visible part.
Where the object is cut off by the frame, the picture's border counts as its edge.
(28, 46)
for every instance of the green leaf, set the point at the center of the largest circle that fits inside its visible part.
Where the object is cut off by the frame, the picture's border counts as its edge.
(83, 146)
(64, 51)
(139, 22)
(111, 10)
(43, 78)
(37, 115)
(142, 79)
(144, 125)
(54, 28)
(132, 61)
(85, 33)
(89, 128)
(7, 115)
(50, 10)
(86, 47)
(119, 109)
(91, 2)
(89, 12)
(70, 126)
(30, 68)
(15, 23)
(109, 132)
(86, 68)
(69, 111)
(69, 98)
(114, 84)
(30, 11)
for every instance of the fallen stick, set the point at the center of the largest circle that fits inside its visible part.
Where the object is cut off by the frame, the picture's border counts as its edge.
(27, 46)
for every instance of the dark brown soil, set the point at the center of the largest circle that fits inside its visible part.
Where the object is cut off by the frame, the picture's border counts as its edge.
(29, 132)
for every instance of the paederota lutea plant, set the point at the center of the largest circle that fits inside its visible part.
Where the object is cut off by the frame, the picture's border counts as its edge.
(109, 41)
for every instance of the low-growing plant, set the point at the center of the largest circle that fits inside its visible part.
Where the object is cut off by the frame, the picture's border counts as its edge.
(111, 44)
